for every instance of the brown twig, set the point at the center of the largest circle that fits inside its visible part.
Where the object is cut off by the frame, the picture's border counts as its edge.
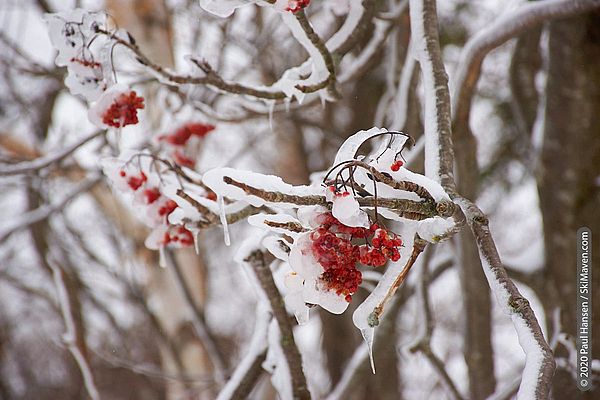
(292, 355)
(290, 226)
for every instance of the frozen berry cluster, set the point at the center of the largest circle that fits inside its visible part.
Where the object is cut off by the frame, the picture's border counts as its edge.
(123, 110)
(180, 138)
(333, 247)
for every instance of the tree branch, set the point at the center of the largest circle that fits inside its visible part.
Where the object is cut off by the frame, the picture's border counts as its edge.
(439, 153)
(294, 360)
(539, 365)
(43, 162)
(70, 335)
(406, 208)
(43, 212)
(502, 29)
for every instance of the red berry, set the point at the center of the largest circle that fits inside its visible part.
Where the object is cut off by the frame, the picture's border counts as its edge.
(396, 165)
(151, 195)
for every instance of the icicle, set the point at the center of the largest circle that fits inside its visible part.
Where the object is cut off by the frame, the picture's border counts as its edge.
(196, 234)
(367, 335)
(271, 111)
(223, 218)
(287, 101)
(162, 257)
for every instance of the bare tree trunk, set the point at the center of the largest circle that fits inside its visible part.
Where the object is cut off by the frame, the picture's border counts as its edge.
(570, 165)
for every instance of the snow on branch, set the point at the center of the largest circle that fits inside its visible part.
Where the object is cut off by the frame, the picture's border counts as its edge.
(539, 359)
(70, 336)
(258, 261)
(539, 362)
(43, 212)
(46, 161)
(439, 154)
(498, 32)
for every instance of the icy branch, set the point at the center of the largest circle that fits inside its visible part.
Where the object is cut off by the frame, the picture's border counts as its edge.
(424, 342)
(43, 162)
(539, 360)
(71, 333)
(43, 212)
(539, 363)
(294, 360)
(439, 154)
(197, 318)
(249, 368)
(418, 247)
(407, 208)
(498, 32)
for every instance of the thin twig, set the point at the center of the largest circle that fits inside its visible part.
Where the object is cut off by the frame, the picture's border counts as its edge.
(43, 212)
(508, 26)
(406, 208)
(43, 162)
(352, 376)
(316, 40)
(70, 335)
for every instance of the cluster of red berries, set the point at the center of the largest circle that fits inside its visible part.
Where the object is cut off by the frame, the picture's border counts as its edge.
(297, 5)
(181, 136)
(178, 234)
(179, 139)
(134, 181)
(333, 249)
(384, 246)
(396, 165)
(167, 208)
(123, 110)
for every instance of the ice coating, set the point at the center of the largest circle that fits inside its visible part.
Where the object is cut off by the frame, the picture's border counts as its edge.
(214, 180)
(347, 210)
(309, 270)
(224, 8)
(223, 218)
(361, 316)
(277, 246)
(348, 149)
(276, 363)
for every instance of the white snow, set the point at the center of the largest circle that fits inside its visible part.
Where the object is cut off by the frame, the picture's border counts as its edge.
(276, 364)
(214, 180)
(418, 45)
